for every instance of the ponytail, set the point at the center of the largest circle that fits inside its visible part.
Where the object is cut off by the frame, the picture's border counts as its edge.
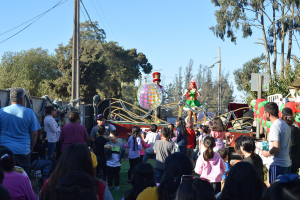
(135, 132)
(209, 143)
(7, 160)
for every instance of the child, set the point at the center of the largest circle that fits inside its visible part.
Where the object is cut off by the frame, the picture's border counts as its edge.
(115, 156)
(99, 143)
(151, 138)
(210, 165)
(218, 132)
(135, 145)
(162, 148)
(224, 155)
(191, 136)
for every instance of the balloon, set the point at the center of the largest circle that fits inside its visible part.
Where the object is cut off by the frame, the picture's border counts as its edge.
(265, 128)
(268, 124)
(268, 130)
(297, 106)
(263, 123)
(258, 119)
(257, 112)
(279, 114)
(149, 96)
(281, 107)
(291, 105)
(261, 104)
(297, 118)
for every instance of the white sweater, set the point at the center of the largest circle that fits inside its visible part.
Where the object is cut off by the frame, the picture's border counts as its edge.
(51, 128)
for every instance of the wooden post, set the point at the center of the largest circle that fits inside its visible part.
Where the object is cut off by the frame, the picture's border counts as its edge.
(180, 111)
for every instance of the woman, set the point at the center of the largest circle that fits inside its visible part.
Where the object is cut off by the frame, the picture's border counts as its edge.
(191, 94)
(171, 128)
(218, 132)
(180, 136)
(176, 166)
(51, 128)
(135, 145)
(16, 183)
(76, 157)
(142, 177)
(73, 132)
(287, 116)
(242, 183)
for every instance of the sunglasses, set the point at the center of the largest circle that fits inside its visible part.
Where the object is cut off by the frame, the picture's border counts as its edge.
(191, 177)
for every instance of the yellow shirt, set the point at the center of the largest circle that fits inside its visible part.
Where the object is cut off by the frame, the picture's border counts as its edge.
(149, 193)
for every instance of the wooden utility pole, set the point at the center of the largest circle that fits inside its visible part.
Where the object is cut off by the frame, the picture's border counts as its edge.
(258, 96)
(219, 86)
(75, 54)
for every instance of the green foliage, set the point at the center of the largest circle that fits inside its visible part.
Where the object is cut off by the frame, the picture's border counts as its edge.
(28, 69)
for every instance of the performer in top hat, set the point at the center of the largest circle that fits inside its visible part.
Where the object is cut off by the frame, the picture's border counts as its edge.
(191, 95)
(156, 80)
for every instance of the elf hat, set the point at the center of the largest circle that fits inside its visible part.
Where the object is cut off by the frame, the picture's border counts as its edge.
(156, 76)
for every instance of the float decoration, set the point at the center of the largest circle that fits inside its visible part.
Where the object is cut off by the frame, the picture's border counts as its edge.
(149, 96)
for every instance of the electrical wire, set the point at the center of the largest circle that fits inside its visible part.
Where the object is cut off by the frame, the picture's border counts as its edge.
(83, 14)
(85, 10)
(106, 20)
(38, 17)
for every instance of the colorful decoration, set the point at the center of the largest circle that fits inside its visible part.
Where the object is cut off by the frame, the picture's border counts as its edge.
(149, 96)
(291, 105)
(282, 107)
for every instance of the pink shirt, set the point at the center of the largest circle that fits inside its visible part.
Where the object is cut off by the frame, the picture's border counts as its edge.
(213, 169)
(18, 186)
(73, 133)
(217, 135)
(144, 145)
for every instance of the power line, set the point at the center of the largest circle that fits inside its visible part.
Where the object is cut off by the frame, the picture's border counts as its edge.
(38, 17)
(106, 20)
(100, 18)
(83, 14)
(85, 10)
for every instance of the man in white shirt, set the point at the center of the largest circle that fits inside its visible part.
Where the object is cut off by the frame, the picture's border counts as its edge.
(151, 138)
(279, 143)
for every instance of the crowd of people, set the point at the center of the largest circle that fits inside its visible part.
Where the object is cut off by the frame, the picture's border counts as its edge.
(189, 163)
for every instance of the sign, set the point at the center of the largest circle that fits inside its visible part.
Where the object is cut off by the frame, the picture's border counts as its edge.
(264, 82)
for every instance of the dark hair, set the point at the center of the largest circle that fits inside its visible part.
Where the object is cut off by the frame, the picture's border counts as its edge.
(135, 132)
(49, 109)
(7, 159)
(115, 133)
(76, 157)
(76, 185)
(238, 144)
(165, 132)
(195, 189)
(272, 108)
(223, 153)
(101, 130)
(172, 130)
(288, 116)
(4, 194)
(142, 177)
(205, 129)
(153, 128)
(218, 125)
(283, 191)
(62, 115)
(243, 183)
(176, 165)
(182, 125)
(209, 143)
(1, 176)
(74, 116)
(248, 145)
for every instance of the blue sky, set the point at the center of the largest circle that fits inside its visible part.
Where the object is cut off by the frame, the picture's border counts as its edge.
(169, 33)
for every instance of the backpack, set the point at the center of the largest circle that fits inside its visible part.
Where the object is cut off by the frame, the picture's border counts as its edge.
(46, 165)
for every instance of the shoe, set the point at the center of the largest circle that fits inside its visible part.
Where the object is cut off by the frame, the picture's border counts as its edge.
(116, 188)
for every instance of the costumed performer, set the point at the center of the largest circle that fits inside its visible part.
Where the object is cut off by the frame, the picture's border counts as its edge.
(156, 80)
(191, 95)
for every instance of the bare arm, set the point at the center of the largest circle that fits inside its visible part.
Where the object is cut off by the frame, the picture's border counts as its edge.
(34, 135)
(274, 151)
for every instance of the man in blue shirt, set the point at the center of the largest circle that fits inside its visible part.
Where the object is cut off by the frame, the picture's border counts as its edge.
(101, 121)
(18, 128)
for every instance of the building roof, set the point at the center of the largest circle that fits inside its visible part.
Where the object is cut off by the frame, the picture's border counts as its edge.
(295, 83)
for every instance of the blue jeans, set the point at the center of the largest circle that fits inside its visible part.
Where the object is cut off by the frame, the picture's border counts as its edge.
(275, 171)
(51, 148)
(147, 155)
(159, 174)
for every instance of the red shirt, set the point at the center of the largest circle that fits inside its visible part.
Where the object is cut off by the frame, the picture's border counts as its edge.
(191, 136)
(73, 133)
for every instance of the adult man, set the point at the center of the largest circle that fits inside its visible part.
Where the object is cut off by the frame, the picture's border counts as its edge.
(101, 121)
(19, 126)
(151, 138)
(279, 142)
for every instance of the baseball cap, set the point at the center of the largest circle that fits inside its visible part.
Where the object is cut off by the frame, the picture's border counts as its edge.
(100, 116)
(94, 160)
